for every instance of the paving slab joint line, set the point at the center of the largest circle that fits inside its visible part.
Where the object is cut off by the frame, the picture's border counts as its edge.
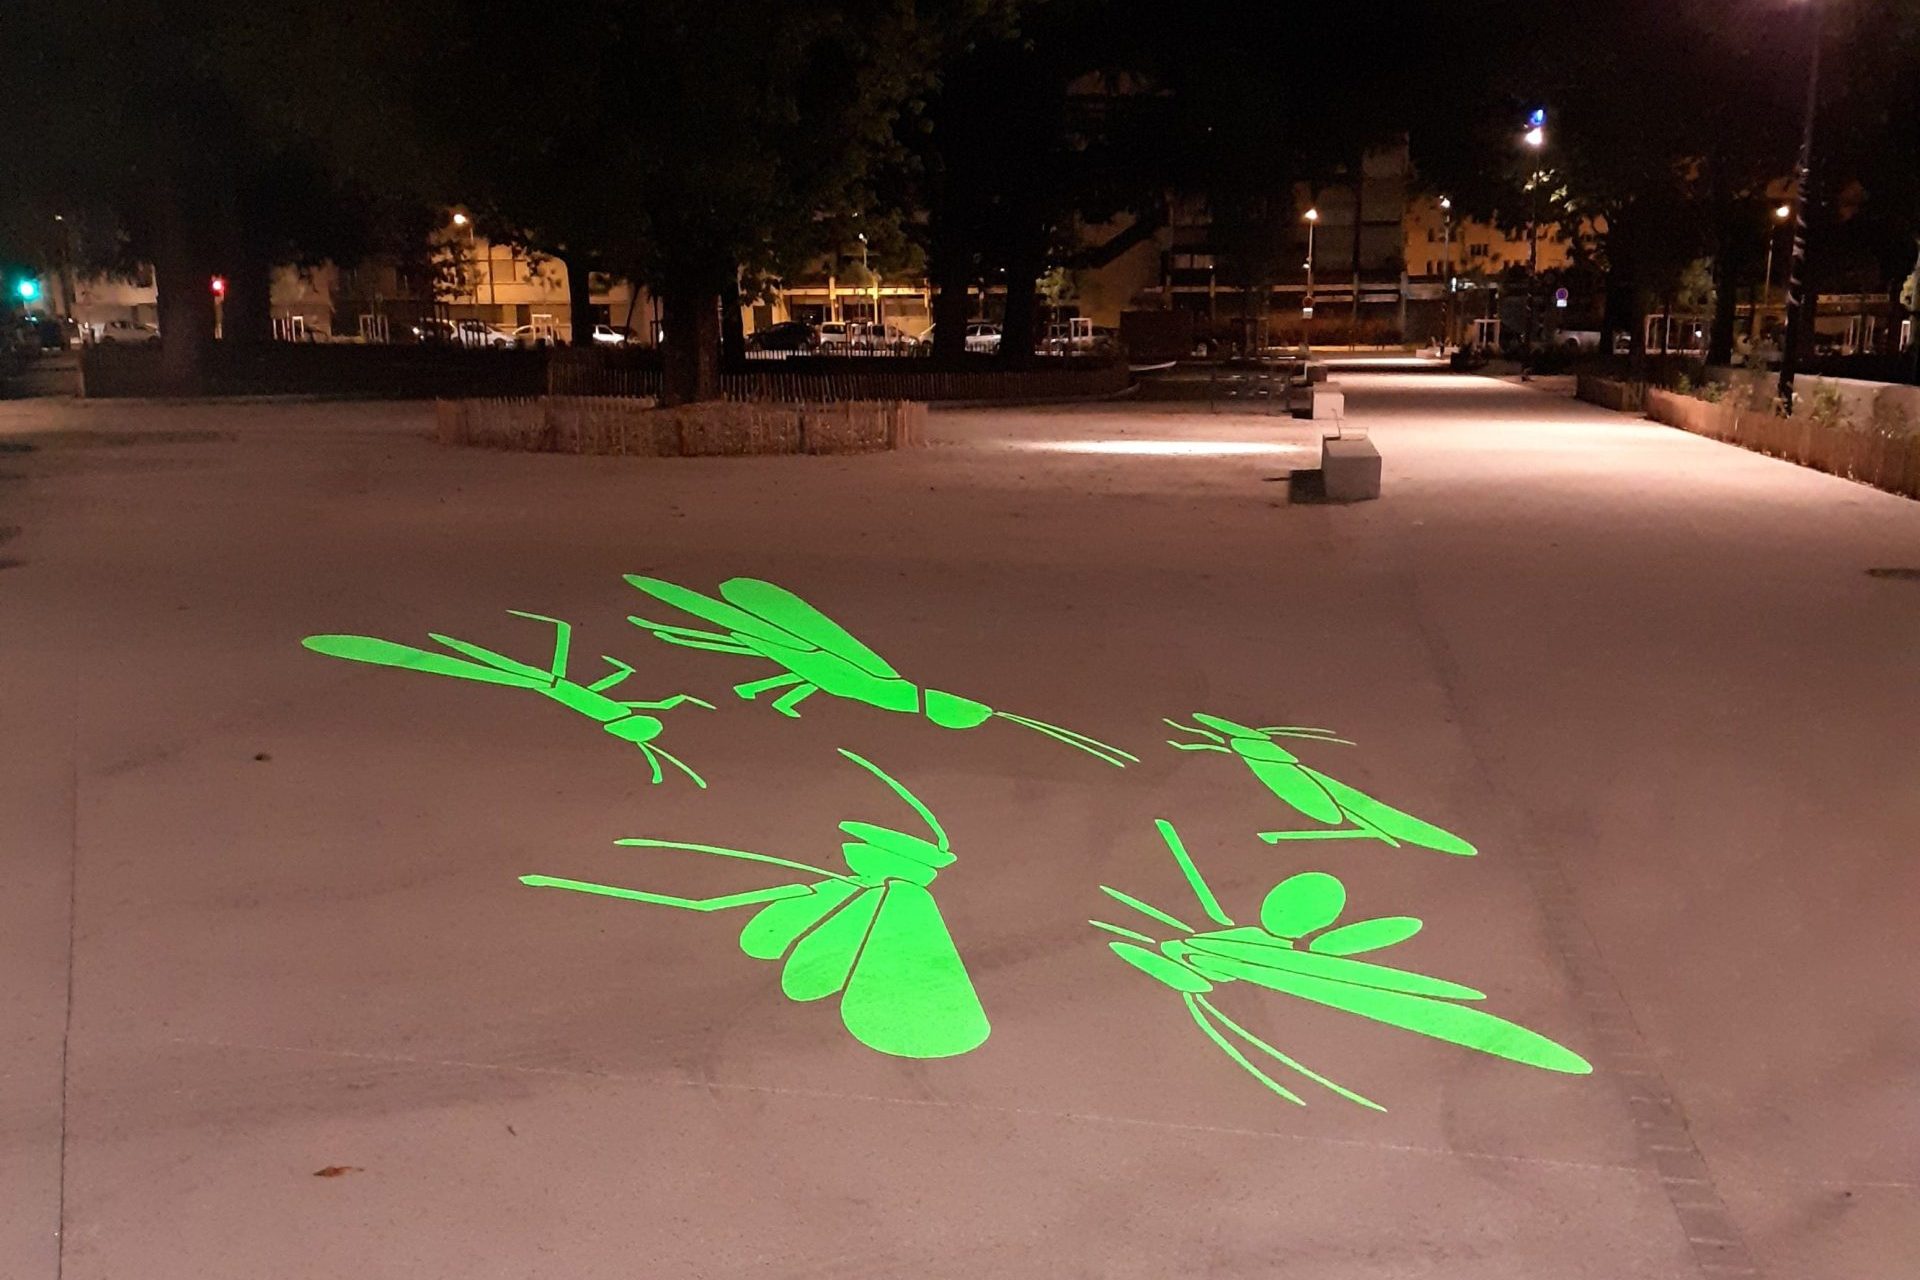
(1618, 1040)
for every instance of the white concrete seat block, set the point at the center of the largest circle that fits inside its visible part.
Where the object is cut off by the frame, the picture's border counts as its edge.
(1349, 469)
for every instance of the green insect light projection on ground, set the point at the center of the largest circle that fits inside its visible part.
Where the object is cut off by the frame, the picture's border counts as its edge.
(1358, 815)
(1301, 910)
(875, 938)
(759, 619)
(621, 719)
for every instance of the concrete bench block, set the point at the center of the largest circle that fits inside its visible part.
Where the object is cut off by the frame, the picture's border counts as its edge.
(1323, 401)
(1349, 469)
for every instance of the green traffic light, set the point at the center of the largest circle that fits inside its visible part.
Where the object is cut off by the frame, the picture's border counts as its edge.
(28, 290)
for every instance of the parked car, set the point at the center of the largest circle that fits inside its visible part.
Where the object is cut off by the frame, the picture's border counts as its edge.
(478, 333)
(866, 337)
(788, 335)
(1068, 337)
(615, 335)
(888, 339)
(983, 337)
(128, 331)
(435, 330)
(43, 333)
(528, 335)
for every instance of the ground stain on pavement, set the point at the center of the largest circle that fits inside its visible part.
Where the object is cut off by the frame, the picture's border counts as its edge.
(93, 438)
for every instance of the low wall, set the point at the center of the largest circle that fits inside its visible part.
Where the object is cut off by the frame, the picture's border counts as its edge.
(1888, 403)
(1882, 453)
(814, 379)
(1611, 393)
(347, 370)
(637, 427)
(379, 371)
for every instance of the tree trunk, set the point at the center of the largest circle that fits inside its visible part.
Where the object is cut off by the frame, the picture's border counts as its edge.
(691, 358)
(1359, 218)
(1720, 337)
(951, 269)
(733, 327)
(185, 303)
(579, 298)
(1023, 275)
(246, 317)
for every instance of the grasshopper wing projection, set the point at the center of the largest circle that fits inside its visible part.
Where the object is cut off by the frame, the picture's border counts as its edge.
(873, 936)
(760, 620)
(1293, 950)
(1350, 814)
(621, 719)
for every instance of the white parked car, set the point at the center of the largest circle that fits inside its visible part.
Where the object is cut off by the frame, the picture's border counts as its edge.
(864, 337)
(983, 337)
(1069, 337)
(528, 335)
(883, 338)
(478, 333)
(615, 335)
(126, 331)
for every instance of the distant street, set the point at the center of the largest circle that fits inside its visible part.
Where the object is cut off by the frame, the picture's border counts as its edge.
(278, 1004)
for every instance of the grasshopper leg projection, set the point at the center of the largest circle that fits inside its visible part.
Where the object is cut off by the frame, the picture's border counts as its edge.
(621, 719)
(872, 935)
(1347, 814)
(758, 619)
(1296, 950)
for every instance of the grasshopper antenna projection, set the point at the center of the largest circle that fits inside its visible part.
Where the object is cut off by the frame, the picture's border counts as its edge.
(621, 719)
(758, 619)
(1350, 814)
(1300, 910)
(873, 935)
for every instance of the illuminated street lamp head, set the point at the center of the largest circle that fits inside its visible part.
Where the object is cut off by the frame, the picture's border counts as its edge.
(1536, 137)
(1446, 202)
(28, 290)
(1784, 212)
(459, 219)
(1313, 215)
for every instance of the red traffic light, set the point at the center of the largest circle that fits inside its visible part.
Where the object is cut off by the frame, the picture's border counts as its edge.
(219, 286)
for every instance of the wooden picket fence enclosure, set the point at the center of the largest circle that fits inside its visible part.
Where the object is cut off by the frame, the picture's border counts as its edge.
(820, 380)
(637, 427)
(1883, 454)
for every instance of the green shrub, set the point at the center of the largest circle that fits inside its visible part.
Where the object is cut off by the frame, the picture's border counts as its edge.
(1825, 406)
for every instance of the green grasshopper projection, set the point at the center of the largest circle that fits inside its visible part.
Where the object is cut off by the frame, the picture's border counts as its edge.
(1271, 955)
(1311, 792)
(621, 719)
(875, 938)
(759, 619)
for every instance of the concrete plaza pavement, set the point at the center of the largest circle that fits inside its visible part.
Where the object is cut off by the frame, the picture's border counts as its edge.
(261, 916)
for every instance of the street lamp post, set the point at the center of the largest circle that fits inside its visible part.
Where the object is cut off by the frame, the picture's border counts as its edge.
(473, 255)
(1306, 311)
(1446, 269)
(1535, 138)
(1780, 215)
(1798, 323)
